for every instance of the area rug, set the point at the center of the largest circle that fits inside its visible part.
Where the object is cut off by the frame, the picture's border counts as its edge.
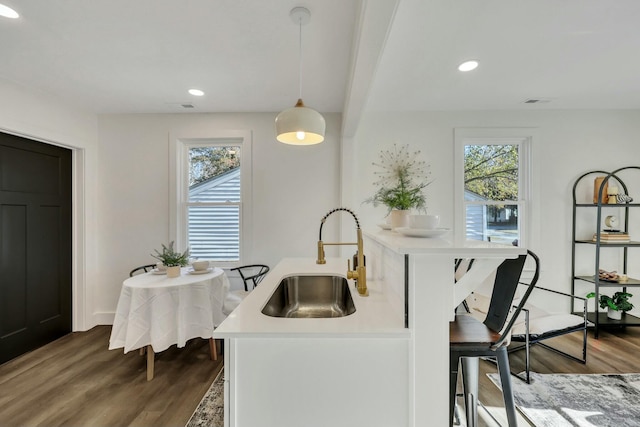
(593, 400)
(210, 410)
(489, 416)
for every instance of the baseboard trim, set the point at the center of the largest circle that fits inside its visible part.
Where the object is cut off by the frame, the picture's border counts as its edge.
(104, 318)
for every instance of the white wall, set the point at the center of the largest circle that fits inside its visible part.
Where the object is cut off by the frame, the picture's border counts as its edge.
(121, 163)
(568, 143)
(41, 117)
(293, 187)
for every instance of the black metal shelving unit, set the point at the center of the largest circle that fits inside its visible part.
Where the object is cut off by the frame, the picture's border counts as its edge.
(600, 319)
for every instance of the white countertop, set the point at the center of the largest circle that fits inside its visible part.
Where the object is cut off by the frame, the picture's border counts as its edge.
(443, 245)
(374, 316)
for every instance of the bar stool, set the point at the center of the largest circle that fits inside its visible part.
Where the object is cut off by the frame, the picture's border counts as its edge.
(470, 339)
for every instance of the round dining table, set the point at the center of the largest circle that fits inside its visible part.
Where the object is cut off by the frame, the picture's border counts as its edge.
(155, 311)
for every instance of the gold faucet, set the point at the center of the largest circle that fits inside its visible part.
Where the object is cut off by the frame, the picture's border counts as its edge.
(360, 272)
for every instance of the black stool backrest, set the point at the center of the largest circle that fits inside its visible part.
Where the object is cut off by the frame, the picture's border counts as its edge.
(504, 290)
(497, 315)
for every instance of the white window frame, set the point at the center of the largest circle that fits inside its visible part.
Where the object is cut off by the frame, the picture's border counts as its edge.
(179, 186)
(527, 210)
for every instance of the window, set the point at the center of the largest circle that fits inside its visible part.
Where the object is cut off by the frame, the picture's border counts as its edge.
(211, 192)
(214, 203)
(492, 191)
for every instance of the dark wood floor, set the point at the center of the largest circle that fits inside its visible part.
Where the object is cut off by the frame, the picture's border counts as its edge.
(616, 351)
(77, 381)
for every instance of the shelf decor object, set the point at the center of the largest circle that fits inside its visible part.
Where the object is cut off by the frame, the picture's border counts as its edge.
(615, 305)
(610, 235)
(597, 194)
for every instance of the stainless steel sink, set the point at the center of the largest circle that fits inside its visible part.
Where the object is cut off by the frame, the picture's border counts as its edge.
(311, 296)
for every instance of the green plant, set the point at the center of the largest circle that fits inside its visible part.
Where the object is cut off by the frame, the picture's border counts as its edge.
(401, 180)
(619, 301)
(170, 257)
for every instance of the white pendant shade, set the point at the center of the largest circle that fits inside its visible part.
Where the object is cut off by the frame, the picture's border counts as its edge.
(300, 125)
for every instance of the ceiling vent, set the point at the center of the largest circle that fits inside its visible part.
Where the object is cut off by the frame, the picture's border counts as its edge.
(537, 101)
(179, 106)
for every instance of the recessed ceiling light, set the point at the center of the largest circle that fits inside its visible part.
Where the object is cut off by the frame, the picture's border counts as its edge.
(196, 92)
(7, 12)
(468, 66)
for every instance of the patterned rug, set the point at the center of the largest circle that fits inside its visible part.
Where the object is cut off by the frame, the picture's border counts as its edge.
(210, 410)
(594, 400)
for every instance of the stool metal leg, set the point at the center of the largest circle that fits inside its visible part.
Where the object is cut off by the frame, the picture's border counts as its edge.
(453, 382)
(471, 403)
(456, 417)
(470, 372)
(505, 380)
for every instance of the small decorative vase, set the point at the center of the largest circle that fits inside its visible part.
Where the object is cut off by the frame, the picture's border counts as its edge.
(173, 271)
(399, 218)
(614, 314)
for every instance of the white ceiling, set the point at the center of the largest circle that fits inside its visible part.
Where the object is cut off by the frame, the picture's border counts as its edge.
(580, 54)
(141, 56)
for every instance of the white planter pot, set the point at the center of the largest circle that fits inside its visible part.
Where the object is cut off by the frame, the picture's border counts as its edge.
(173, 271)
(614, 314)
(399, 218)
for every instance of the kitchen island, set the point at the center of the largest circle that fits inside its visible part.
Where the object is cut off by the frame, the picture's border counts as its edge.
(384, 365)
(343, 371)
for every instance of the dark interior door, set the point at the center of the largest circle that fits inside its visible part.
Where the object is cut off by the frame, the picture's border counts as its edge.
(35, 244)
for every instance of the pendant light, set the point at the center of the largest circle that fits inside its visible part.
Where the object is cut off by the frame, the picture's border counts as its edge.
(300, 125)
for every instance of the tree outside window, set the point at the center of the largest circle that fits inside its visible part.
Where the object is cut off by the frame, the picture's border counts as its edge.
(211, 161)
(492, 192)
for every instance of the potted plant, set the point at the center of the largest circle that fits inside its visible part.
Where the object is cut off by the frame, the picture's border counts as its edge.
(171, 259)
(616, 305)
(402, 178)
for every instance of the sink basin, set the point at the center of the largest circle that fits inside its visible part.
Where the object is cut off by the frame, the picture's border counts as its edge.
(311, 297)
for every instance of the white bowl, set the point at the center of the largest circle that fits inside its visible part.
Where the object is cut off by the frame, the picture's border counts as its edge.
(424, 222)
(200, 265)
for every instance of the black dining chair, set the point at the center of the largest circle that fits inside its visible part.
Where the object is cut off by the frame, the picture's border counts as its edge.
(470, 338)
(251, 275)
(142, 269)
(538, 325)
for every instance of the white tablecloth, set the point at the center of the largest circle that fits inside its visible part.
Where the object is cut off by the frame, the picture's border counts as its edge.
(160, 311)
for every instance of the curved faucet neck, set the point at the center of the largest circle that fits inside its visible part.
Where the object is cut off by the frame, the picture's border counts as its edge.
(334, 211)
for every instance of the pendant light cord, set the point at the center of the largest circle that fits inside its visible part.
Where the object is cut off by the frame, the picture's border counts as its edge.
(300, 64)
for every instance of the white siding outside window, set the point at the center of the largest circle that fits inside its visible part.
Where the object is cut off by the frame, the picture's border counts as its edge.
(214, 217)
